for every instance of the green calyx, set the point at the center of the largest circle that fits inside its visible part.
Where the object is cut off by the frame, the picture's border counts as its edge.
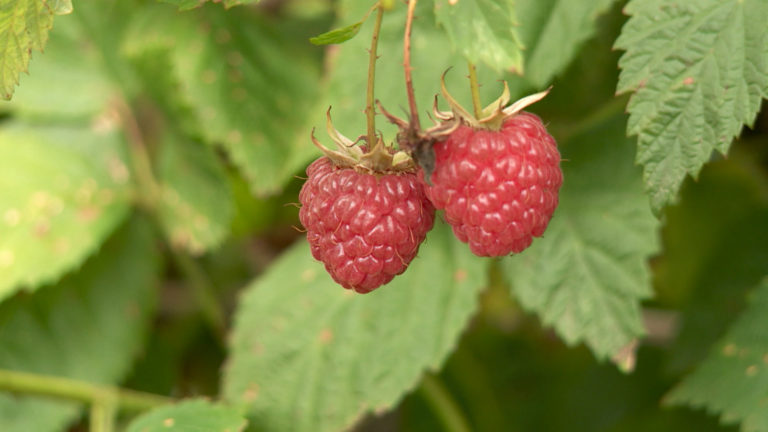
(492, 116)
(379, 159)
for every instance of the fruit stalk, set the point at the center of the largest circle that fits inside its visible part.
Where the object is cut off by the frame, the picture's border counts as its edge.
(475, 89)
(414, 123)
(369, 109)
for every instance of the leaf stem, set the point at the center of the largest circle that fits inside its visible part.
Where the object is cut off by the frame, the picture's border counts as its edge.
(475, 88)
(446, 409)
(102, 418)
(81, 391)
(415, 124)
(370, 111)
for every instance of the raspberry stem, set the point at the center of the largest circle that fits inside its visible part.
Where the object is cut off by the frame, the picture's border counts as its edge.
(369, 109)
(475, 88)
(415, 125)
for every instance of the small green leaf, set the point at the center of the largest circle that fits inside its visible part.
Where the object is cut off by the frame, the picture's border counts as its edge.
(733, 380)
(587, 274)
(196, 203)
(65, 189)
(483, 30)
(193, 415)
(88, 327)
(308, 355)
(698, 70)
(24, 26)
(338, 35)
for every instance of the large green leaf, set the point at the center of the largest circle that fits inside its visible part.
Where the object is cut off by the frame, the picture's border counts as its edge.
(483, 30)
(733, 380)
(588, 273)
(196, 204)
(552, 32)
(64, 189)
(24, 26)
(87, 327)
(308, 355)
(243, 83)
(194, 415)
(698, 70)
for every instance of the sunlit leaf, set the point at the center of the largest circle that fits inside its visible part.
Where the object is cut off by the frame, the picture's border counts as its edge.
(24, 26)
(65, 189)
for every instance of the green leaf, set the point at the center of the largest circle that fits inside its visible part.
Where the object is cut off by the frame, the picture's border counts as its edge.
(698, 70)
(552, 32)
(24, 26)
(64, 189)
(337, 36)
(184, 5)
(87, 327)
(308, 355)
(194, 415)
(587, 274)
(733, 380)
(244, 83)
(68, 82)
(483, 30)
(196, 206)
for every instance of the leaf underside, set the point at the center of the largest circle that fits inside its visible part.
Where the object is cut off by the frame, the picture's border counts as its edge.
(698, 70)
(308, 355)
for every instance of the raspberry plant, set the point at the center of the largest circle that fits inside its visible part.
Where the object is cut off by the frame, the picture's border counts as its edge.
(154, 274)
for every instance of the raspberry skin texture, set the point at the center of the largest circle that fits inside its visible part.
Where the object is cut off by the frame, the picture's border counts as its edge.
(499, 189)
(366, 228)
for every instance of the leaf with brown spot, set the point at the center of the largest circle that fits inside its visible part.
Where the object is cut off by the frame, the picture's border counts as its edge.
(54, 180)
(193, 415)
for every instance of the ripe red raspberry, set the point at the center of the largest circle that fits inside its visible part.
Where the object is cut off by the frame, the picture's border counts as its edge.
(365, 227)
(498, 188)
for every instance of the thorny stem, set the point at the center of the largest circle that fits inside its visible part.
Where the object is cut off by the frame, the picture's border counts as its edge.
(369, 109)
(81, 391)
(475, 88)
(407, 67)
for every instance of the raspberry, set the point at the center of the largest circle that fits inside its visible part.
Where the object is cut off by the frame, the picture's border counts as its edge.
(498, 188)
(365, 227)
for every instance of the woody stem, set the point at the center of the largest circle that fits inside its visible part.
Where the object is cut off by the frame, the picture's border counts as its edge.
(369, 109)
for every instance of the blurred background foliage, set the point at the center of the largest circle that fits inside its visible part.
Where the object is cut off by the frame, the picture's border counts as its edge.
(150, 162)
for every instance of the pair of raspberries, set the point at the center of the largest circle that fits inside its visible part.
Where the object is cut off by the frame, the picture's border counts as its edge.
(497, 188)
